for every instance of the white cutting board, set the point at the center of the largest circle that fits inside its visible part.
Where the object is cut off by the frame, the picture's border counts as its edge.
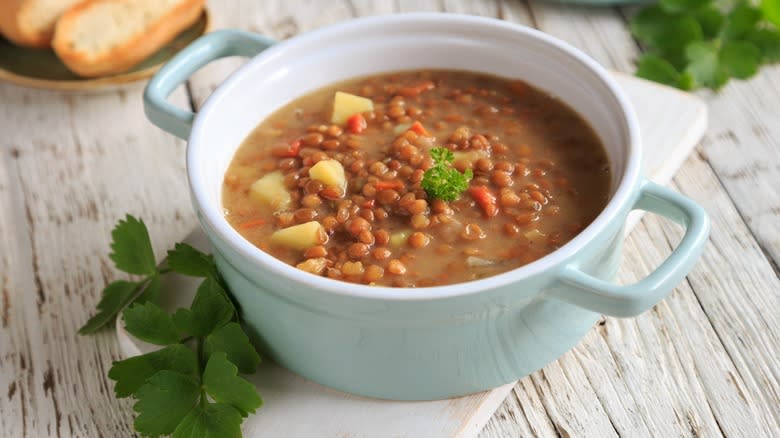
(672, 123)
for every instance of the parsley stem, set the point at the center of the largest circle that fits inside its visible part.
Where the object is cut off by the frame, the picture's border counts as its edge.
(203, 400)
(201, 359)
(201, 369)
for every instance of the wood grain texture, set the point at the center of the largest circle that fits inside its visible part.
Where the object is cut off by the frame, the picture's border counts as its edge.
(743, 148)
(704, 362)
(71, 166)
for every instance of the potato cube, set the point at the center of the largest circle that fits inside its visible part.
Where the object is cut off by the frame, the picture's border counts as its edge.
(300, 237)
(399, 238)
(470, 156)
(345, 105)
(330, 172)
(400, 129)
(270, 190)
(315, 266)
(534, 235)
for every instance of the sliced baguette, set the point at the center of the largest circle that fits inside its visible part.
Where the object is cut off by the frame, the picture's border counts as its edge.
(102, 37)
(31, 22)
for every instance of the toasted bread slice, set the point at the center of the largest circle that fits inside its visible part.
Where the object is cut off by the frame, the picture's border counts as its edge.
(102, 37)
(31, 22)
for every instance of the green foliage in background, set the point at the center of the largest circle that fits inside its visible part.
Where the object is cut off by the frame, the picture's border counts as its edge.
(703, 43)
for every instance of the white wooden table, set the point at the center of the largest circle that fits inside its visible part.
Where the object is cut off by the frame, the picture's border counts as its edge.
(704, 362)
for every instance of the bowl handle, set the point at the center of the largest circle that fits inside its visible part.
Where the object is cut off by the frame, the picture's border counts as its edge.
(612, 299)
(205, 49)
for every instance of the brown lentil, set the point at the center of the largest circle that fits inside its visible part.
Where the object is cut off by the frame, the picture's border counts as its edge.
(311, 201)
(315, 252)
(382, 237)
(358, 225)
(396, 267)
(366, 237)
(419, 240)
(501, 179)
(373, 273)
(380, 253)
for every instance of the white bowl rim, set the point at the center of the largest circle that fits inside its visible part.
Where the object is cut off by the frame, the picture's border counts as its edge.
(213, 214)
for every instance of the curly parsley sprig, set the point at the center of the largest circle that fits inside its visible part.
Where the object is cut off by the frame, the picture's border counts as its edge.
(180, 391)
(703, 43)
(442, 181)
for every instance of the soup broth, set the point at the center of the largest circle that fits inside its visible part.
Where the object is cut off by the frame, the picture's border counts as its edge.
(339, 182)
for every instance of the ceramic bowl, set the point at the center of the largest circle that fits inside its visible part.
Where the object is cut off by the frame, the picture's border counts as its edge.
(431, 342)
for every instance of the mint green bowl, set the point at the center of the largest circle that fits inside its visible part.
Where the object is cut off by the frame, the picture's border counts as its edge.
(436, 342)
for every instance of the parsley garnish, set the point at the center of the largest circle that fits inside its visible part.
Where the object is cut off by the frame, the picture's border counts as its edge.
(180, 391)
(442, 181)
(701, 43)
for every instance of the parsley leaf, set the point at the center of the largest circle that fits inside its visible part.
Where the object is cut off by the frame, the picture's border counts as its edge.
(151, 291)
(232, 340)
(767, 41)
(115, 297)
(130, 374)
(221, 382)
(704, 43)
(681, 5)
(175, 386)
(710, 19)
(657, 69)
(666, 33)
(131, 247)
(215, 420)
(443, 181)
(771, 10)
(739, 59)
(209, 310)
(150, 323)
(187, 260)
(741, 20)
(703, 58)
(712, 66)
(132, 253)
(163, 402)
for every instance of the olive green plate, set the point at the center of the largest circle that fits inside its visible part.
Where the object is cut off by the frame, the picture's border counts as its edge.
(40, 68)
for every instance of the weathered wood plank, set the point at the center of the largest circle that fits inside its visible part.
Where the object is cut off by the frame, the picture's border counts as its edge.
(598, 31)
(72, 165)
(743, 147)
(741, 302)
(362, 8)
(277, 19)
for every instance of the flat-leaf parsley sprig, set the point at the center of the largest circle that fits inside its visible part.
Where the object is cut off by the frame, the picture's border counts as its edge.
(190, 387)
(442, 181)
(703, 43)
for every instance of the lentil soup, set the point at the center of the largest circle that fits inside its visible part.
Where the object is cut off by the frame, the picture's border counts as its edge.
(334, 182)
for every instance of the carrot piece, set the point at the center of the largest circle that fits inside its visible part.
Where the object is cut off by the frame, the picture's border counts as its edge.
(418, 128)
(356, 123)
(394, 184)
(295, 147)
(416, 90)
(252, 224)
(486, 200)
